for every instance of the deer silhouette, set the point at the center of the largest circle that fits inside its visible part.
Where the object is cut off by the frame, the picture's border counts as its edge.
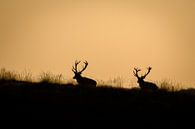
(144, 85)
(82, 81)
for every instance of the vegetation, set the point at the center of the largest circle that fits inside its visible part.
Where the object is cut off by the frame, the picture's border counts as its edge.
(68, 105)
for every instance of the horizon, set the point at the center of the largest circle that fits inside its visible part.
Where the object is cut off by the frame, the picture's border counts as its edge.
(59, 78)
(114, 37)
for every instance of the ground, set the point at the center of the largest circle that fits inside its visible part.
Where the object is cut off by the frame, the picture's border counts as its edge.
(67, 105)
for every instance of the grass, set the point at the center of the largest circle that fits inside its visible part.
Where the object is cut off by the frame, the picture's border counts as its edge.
(48, 77)
(50, 102)
(8, 75)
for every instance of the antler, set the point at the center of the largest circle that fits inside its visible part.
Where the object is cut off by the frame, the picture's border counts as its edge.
(74, 68)
(135, 72)
(86, 64)
(149, 68)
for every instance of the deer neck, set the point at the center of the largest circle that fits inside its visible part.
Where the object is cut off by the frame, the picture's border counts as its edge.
(141, 81)
(79, 78)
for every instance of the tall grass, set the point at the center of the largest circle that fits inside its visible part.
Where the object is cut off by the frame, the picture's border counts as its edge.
(114, 82)
(6, 75)
(48, 77)
(169, 85)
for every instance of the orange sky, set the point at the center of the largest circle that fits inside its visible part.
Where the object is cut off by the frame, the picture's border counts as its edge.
(114, 36)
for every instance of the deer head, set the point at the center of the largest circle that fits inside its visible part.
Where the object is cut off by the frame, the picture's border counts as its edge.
(75, 69)
(141, 78)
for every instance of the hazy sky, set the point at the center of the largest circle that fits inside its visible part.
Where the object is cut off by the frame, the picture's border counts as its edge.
(114, 36)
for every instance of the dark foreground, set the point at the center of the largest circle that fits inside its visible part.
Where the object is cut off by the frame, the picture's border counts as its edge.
(67, 106)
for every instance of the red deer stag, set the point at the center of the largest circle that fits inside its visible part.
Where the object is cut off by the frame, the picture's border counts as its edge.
(82, 81)
(144, 85)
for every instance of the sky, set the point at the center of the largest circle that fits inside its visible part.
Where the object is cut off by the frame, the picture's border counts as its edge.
(114, 36)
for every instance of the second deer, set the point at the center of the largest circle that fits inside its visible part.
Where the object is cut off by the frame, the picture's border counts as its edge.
(144, 85)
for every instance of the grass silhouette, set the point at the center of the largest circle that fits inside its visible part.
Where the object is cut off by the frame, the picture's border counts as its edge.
(70, 106)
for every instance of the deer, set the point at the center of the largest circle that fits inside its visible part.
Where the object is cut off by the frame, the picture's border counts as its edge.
(82, 81)
(145, 85)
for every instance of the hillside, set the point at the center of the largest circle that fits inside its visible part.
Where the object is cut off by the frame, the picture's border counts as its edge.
(68, 105)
